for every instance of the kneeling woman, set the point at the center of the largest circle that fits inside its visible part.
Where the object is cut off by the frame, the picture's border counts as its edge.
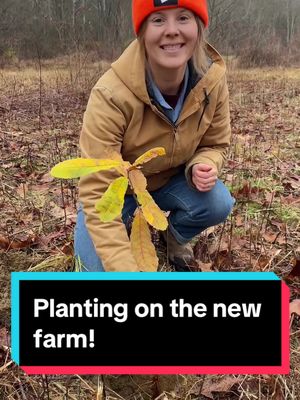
(168, 89)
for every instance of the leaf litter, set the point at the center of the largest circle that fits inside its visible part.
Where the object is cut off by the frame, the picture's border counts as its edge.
(38, 213)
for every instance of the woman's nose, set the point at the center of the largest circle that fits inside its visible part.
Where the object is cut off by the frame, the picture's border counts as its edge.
(172, 28)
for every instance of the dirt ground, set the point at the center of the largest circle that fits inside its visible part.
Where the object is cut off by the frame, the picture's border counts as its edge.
(40, 120)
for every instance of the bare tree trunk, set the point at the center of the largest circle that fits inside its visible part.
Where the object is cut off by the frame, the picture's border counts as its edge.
(49, 10)
(73, 15)
(288, 8)
(84, 20)
(99, 19)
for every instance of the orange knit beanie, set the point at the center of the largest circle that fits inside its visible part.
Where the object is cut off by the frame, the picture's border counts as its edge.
(142, 8)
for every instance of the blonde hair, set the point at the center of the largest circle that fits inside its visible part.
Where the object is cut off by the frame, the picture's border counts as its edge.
(199, 58)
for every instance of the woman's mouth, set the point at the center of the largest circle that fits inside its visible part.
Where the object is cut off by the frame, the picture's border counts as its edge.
(172, 47)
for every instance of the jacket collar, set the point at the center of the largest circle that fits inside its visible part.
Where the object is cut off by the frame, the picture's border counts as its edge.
(130, 68)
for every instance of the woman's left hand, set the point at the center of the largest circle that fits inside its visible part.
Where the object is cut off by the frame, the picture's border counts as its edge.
(204, 177)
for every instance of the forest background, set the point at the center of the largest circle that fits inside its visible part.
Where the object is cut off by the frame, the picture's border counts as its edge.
(52, 52)
(261, 32)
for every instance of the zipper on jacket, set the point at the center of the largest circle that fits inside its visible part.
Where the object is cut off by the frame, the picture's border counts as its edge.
(176, 136)
(175, 141)
(175, 132)
(174, 126)
(206, 103)
(162, 115)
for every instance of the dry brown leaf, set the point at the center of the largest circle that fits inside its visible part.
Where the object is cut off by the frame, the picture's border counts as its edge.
(46, 239)
(229, 178)
(59, 212)
(270, 237)
(239, 221)
(290, 199)
(68, 249)
(265, 260)
(149, 155)
(200, 250)
(223, 384)
(295, 181)
(46, 178)
(7, 165)
(26, 218)
(56, 211)
(261, 263)
(23, 244)
(295, 307)
(244, 191)
(71, 218)
(42, 188)
(205, 267)
(281, 239)
(269, 196)
(278, 224)
(137, 180)
(210, 230)
(142, 247)
(223, 260)
(4, 338)
(215, 247)
(295, 272)
(152, 213)
(247, 191)
(238, 243)
(4, 243)
(22, 190)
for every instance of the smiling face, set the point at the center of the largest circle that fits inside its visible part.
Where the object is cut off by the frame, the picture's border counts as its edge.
(170, 38)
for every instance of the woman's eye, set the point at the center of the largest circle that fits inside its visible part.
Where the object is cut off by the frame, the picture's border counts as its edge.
(183, 18)
(157, 20)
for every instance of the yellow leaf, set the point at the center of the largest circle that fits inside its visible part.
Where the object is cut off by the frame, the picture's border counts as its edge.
(78, 167)
(123, 169)
(111, 203)
(141, 246)
(153, 153)
(137, 180)
(125, 165)
(153, 214)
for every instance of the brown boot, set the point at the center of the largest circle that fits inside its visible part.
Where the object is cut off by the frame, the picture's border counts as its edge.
(181, 256)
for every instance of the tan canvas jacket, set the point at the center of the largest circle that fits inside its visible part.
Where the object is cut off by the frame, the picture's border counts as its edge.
(121, 116)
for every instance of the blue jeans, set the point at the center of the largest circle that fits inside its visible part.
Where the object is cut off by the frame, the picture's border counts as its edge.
(191, 212)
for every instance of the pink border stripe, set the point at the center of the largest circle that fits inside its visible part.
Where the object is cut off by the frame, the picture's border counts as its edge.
(285, 328)
(124, 370)
(153, 370)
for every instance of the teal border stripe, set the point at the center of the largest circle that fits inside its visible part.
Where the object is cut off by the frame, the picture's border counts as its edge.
(125, 276)
(137, 276)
